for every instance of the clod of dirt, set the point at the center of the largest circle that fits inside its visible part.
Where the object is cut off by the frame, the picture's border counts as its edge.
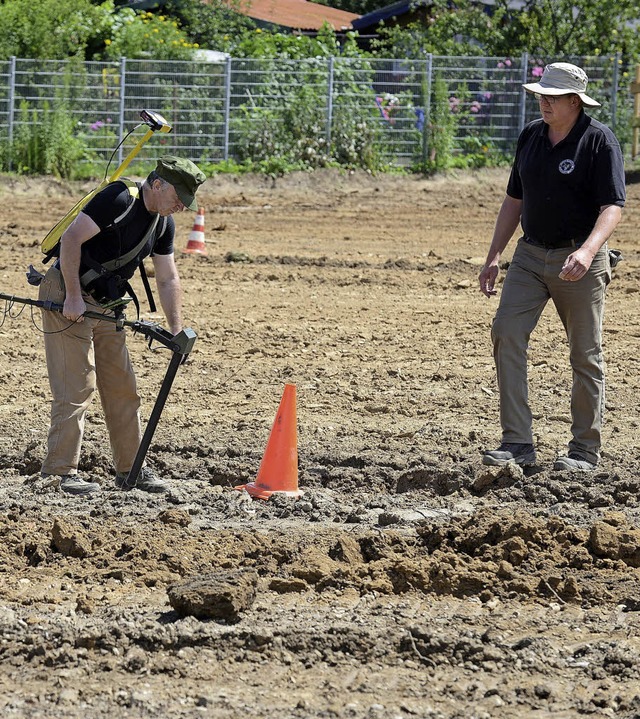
(497, 477)
(288, 584)
(69, 539)
(218, 595)
(615, 542)
(237, 257)
(84, 605)
(175, 516)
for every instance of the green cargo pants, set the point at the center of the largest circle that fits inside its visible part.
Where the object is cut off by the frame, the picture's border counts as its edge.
(531, 281)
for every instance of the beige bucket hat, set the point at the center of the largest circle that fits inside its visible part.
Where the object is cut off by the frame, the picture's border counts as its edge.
(563, 78)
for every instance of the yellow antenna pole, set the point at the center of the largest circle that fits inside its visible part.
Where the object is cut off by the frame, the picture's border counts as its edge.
(156, 122)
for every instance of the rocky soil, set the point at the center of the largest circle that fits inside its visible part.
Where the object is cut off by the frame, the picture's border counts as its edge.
(408, 580)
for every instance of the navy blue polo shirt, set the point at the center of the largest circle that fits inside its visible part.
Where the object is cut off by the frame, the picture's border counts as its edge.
(563, 187)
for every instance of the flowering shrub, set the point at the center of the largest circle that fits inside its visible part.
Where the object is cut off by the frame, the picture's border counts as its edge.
(147, 35)
(387, 104)
(287, 121)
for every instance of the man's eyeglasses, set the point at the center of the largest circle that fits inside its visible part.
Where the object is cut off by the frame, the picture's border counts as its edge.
(551, 99)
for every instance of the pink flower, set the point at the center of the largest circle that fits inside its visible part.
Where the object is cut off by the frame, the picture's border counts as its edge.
(537, 71)
(475, 106)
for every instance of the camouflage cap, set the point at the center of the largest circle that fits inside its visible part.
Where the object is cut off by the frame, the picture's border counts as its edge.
(184, 175)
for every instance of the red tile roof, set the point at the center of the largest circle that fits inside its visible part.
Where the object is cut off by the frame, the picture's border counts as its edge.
(295, 14)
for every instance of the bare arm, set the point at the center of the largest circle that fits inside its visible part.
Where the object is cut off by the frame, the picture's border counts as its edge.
(578, 263)
(506, 224)
(79, 231)
(169, 290)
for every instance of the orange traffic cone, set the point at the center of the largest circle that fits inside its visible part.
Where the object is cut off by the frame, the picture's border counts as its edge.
(278, 473)
(196, 245)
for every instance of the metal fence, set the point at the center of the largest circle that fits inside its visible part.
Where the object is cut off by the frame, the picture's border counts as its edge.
(247, 108)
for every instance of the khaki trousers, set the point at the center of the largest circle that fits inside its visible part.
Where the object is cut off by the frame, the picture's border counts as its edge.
(531, 281)
(80, 358)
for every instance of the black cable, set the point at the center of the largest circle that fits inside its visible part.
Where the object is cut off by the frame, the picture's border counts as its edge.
(118, 146)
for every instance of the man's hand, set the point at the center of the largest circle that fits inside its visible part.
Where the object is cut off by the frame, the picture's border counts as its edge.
(576, 265)
(79, 231)
(74, 308)
(488, 278)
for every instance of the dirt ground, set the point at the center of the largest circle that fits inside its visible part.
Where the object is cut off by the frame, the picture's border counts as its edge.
(408, 580)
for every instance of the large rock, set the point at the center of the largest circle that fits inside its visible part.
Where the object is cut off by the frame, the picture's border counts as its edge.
(218, 595)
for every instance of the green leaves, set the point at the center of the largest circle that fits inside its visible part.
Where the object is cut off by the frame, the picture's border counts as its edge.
(147, 35)
(569, 27)
(94, 29)
(550, 28)
(51, 29)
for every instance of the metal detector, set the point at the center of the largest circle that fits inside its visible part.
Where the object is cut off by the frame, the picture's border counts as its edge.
(180, 346)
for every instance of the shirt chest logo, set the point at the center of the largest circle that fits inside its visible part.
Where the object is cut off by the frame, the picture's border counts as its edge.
(566, 167)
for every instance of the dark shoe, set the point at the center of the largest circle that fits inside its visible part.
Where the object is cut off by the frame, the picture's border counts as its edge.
(574, 462)
(147, 481)
(72, 484)
(509, 453)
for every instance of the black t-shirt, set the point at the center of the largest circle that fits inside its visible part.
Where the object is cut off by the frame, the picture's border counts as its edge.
(562, 188)
(115, 241)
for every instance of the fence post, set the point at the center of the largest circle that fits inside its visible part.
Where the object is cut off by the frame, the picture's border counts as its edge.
(227, 106)
(426, 108)
(123, 85)
(329, 103)
(12, 98)
(614, 90)
(524, 59)
(635, 123)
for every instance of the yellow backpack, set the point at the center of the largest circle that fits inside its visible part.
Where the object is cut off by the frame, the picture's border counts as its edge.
(155, 122)
(50, 245)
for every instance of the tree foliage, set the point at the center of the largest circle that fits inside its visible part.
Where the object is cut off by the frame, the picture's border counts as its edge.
(556, 28)
(463, 30)
(550, 28)
(97, 29)
(52, 29)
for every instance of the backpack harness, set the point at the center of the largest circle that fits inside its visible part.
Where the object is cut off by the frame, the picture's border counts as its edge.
(106, 272)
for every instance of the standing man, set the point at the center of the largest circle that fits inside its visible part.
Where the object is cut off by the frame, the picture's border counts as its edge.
(567, 188)
(99, 253)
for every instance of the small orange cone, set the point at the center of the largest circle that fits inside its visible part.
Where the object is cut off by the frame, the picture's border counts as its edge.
(196, 245)
(278, 473)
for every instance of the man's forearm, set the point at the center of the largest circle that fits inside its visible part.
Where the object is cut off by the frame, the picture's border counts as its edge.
(506, 224)
(606, 223)
(70, 266)
(170, 293)
(78, 232)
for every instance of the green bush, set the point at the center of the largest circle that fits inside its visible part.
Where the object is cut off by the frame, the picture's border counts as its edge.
(287, 123)
(45, 143)
(52, 29)
(146, 35)
(441, 130)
